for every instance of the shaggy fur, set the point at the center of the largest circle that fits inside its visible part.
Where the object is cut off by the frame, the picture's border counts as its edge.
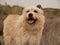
(17, 30)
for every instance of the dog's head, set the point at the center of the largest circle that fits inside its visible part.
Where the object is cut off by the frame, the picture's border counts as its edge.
(33, 14)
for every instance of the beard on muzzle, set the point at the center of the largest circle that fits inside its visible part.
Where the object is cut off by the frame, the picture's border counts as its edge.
(31, 20)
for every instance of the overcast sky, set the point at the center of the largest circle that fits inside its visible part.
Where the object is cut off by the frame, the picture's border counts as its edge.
(25, 3)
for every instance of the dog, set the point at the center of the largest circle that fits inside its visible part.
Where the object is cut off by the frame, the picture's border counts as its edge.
(25, 29)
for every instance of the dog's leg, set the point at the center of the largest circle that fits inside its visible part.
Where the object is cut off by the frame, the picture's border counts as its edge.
(21, 41)
(18, 41)
(7, 40)
(34, 41)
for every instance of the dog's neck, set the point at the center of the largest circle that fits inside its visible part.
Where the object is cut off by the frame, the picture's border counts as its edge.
(32, 29)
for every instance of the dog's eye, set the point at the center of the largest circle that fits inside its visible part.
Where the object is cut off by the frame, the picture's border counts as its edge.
(27, 11)
(35, 11)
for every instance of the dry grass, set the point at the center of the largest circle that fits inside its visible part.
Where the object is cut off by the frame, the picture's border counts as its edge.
(51, 33)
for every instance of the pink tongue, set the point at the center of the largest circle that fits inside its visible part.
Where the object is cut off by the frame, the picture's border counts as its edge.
(30, 21)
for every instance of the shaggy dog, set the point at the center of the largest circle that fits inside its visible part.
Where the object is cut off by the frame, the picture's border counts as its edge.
(25, 29)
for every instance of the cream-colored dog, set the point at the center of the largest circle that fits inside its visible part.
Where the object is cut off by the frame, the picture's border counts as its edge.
(25, 29)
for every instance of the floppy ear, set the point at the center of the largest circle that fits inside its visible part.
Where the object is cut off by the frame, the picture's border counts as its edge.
(39, 6)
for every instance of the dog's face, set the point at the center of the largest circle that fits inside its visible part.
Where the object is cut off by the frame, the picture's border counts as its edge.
(32, 15)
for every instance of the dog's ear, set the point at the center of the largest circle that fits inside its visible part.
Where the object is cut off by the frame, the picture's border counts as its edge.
(39, 6)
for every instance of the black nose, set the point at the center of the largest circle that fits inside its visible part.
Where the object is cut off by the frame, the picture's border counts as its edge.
(30, 15)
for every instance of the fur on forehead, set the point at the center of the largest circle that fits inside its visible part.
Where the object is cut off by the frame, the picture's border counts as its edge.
(34, 8)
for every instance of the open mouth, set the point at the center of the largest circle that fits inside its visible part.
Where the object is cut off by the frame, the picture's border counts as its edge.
(32, 21)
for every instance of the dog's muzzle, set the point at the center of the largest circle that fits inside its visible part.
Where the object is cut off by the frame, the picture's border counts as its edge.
(31, 19)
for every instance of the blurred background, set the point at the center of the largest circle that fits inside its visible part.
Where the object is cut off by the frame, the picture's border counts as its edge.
(51, 32)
